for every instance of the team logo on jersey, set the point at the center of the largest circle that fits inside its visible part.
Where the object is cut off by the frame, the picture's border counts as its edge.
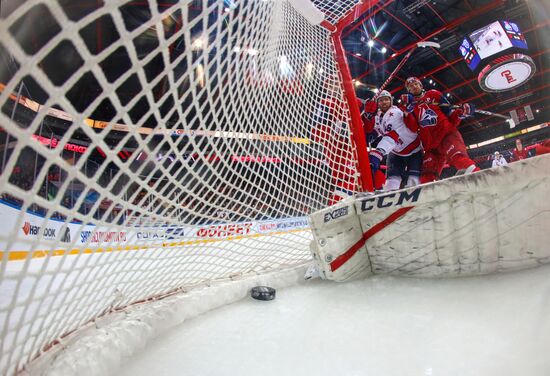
(368, 115)
(428, 118)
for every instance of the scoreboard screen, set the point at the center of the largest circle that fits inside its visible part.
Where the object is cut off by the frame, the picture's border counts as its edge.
(491, 40)
(469, 54)
(514, 34)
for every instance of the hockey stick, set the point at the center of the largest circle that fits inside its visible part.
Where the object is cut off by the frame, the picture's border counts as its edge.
(423, 44)
(404, 60)
(481, 112)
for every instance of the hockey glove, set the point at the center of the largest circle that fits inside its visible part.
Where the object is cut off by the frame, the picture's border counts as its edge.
(467, 110)
(371, 137)
(408, 102)
(370, 109)
(375, 157)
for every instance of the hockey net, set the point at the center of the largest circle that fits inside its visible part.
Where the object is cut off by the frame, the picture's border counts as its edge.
(148, 149)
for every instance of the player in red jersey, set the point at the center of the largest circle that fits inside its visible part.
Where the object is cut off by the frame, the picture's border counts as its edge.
(438, 131)
(543, 148)
(519, 152)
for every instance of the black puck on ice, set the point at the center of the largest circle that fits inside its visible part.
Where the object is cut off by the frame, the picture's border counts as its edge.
(262, 293)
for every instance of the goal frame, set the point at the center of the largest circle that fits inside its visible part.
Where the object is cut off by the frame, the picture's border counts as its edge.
(160, 311)
(358, 136)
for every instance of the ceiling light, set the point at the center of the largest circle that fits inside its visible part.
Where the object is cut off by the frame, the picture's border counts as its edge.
(198, 44)
(357, 54)
(448, 95)
(384, 50)
(537, 111)
(431, 81)
(370, 43)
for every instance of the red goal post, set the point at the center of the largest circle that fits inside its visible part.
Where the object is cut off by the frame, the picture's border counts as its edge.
(336, 23)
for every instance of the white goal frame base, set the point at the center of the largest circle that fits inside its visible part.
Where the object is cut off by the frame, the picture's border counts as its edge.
(109, 340)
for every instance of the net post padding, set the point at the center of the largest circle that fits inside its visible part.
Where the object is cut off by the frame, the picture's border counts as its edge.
(307, 9)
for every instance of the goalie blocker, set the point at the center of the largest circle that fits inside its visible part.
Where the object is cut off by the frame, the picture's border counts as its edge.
(482, 223)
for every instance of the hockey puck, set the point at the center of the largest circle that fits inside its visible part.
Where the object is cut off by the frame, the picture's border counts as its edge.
(262, 293)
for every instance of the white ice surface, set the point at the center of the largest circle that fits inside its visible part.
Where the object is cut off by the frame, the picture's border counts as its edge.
(490, 325)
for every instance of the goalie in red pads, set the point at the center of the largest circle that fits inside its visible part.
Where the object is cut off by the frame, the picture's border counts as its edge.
(437, 127)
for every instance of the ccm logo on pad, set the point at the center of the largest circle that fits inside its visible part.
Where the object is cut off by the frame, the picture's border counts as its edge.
(340, 212)
(390, 200)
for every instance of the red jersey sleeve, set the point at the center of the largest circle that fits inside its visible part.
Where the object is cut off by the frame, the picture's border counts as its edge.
(410, 121)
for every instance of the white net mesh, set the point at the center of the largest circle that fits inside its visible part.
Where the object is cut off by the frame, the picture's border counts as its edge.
(335, 10)
(150, 148)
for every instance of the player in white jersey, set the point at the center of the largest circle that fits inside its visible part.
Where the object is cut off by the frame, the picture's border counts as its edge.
(400, 142)
(499, 160)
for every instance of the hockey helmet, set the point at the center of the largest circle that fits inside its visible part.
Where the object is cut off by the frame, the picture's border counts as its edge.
(384, 93)
(410, 80)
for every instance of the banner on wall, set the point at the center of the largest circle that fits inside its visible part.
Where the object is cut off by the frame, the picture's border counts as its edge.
(34, 232)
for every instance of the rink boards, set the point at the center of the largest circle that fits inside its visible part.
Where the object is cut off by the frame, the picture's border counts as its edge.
(489, 221)
(25, 234)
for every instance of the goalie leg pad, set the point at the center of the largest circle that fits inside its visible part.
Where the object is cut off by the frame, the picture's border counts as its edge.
(336, 230)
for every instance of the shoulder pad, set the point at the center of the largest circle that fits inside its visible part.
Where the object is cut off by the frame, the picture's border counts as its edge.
(432, 93)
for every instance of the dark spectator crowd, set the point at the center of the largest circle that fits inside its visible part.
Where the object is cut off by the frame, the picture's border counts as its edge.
(519, 152)
(238, 199)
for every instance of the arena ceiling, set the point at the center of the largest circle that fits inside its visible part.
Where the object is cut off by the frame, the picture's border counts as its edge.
(396, 25)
